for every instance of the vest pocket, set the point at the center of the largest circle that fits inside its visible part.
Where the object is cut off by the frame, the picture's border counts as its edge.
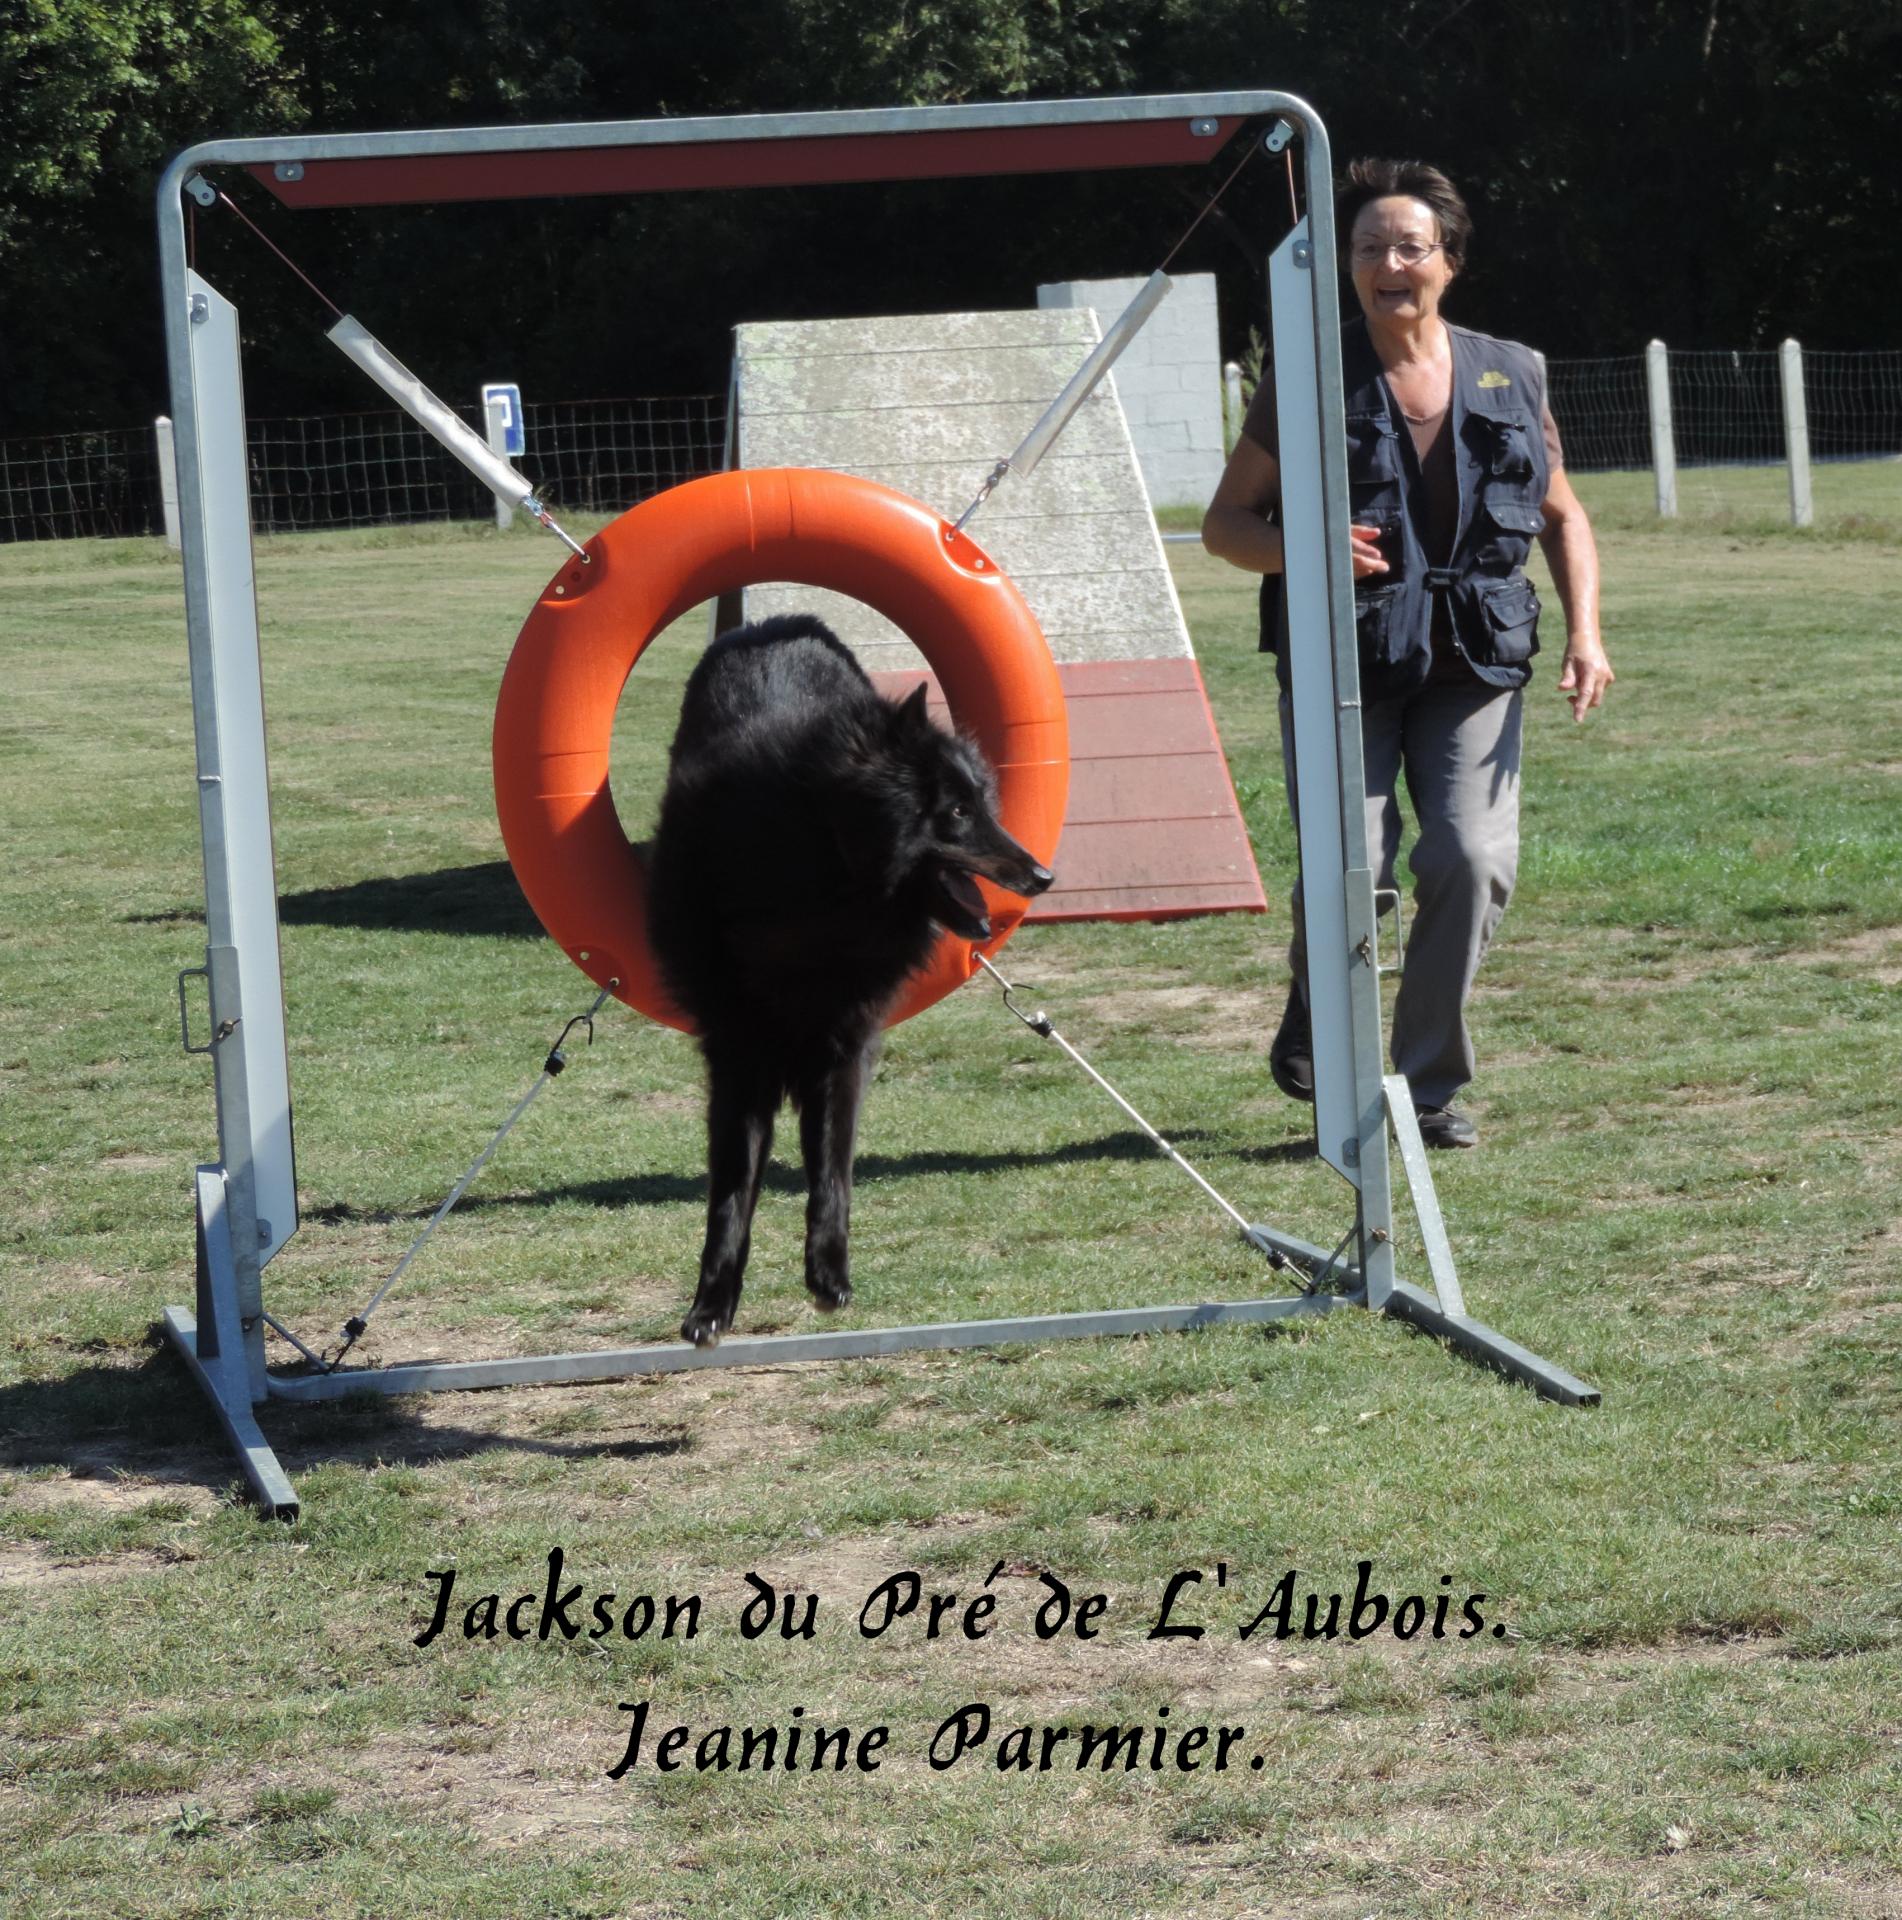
(1505, 447)
(1373, 622)
(1511, 611)
(1507, 528)
(1373, 451)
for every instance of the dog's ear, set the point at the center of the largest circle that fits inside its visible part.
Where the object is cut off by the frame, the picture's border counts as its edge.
(912, 714)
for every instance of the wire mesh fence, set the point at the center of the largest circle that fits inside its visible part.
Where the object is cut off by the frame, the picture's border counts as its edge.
(1727, 408)
(101, 485)
(1600, 408)
(1855, 404)
(601, 456)
(365, 469)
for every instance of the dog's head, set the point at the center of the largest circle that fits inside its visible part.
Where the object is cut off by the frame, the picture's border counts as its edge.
(954, 838)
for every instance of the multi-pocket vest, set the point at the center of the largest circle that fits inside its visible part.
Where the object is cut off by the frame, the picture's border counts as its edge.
(1499, 457)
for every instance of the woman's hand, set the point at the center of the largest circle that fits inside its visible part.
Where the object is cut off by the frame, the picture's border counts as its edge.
(1367, 560)
(1586, 673)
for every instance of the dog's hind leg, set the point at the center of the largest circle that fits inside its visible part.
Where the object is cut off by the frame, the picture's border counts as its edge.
(740, 1107)
(828, 1128)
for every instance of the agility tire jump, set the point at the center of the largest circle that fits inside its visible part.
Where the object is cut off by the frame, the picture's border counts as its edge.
(554, 717)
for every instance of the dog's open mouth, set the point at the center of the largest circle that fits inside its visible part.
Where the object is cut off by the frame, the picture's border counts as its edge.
(957, 906)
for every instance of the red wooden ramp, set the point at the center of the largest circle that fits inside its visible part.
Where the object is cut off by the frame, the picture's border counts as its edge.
(1154, 830)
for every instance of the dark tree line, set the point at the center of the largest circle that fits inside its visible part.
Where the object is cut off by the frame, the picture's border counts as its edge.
(1717, 172)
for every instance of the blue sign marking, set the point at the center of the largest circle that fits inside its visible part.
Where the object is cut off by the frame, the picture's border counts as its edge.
(510, 396)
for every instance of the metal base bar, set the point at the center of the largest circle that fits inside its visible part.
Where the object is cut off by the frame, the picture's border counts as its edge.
(270, 1485)
(780, 1349)
(1551, 1383)
(278, 1500)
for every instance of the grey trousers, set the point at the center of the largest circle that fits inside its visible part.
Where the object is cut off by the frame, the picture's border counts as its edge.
(1458, 746)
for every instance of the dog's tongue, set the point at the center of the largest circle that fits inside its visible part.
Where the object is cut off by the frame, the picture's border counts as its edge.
(962, 891)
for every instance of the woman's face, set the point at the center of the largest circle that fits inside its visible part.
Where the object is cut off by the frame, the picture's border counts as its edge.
(1389, 286)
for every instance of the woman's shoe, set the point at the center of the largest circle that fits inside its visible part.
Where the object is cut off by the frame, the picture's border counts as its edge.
(1445, 1127)
(1291, 1057)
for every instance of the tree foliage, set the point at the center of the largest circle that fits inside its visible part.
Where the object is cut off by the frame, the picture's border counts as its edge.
(94, 94)
(1715, 173)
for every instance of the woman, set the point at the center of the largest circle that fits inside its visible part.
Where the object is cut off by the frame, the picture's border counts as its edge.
(1453, 466)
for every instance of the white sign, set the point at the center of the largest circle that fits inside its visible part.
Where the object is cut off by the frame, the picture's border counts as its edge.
(510, 396)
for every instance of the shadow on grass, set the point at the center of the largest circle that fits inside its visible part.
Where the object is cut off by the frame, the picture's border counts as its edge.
(481, 899)
(678, 1189)
(152, 1422)
(1278, 1153)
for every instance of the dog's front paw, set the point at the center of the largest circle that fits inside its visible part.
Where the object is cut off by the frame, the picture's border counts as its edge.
(829, 1287)
(703, 1326)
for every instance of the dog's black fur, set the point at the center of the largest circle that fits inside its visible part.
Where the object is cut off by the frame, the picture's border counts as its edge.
(813, 839)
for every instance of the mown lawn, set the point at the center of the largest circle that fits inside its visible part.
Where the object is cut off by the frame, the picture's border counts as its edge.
(1686, 1193)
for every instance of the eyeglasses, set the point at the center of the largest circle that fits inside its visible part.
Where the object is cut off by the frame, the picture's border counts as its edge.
(1412, 253)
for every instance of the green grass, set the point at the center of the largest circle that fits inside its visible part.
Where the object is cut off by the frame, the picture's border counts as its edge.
(1851, 500)
(1687, 1029)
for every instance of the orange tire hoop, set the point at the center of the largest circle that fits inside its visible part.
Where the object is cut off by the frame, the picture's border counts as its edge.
(555, 715)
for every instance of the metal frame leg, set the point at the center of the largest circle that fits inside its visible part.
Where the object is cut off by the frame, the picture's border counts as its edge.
(1480, 1342)
(213, 1346)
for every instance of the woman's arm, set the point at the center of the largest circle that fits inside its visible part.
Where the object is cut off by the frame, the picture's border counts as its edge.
(1572, 554)
(1236, 527)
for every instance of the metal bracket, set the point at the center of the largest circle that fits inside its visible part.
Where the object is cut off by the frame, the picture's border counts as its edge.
(222, 1031)
(1277, 137)
(1384, 897)
(202, 190)
(184, 1014)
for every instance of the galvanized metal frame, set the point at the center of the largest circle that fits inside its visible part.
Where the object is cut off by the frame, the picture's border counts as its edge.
(246, 1202)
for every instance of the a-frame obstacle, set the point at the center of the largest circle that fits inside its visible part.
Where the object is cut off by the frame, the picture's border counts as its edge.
(922, 403)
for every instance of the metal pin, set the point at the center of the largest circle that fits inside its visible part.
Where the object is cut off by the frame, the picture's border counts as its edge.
(532, 506)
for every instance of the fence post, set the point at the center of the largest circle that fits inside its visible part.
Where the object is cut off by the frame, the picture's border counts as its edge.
(1657, 379)
(1796, 434)
(1231, 405)
(167, 481)
(496, 415)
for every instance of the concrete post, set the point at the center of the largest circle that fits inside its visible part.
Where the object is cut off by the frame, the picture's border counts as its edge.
(1657, 375)
(1796, 434)
(167, 480)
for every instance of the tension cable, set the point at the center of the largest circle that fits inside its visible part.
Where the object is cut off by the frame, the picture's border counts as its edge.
(442, 423)
(1040, 1024)
(355, 1327)
(1124, 329)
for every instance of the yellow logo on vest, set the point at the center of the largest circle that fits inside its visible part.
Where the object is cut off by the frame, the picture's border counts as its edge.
(1492, 377)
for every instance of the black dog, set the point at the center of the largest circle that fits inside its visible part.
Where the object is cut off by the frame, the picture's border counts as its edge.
(813, 839)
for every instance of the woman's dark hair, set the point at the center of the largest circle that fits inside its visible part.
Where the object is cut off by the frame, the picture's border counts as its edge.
(1378, 179)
